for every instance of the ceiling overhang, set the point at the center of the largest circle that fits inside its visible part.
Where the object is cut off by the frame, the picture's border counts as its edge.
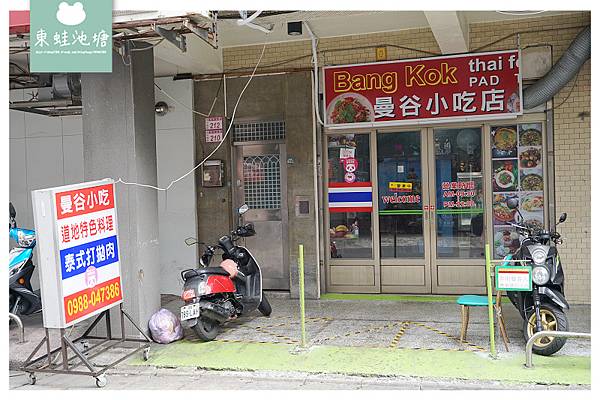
(450, 29)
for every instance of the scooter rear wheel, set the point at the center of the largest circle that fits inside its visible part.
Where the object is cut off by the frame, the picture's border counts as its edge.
(206, 329)
(265, 307)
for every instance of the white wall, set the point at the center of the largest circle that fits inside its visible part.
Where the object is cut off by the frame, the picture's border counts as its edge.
(48, 151)
(176, 208)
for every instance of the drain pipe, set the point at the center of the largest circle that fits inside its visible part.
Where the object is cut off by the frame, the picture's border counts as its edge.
(561, 73)
(316, 136)
(314, 41)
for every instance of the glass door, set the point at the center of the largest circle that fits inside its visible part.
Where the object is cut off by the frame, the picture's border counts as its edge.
(458, 215)
(353, 264)
(406, 211)
(403, 227)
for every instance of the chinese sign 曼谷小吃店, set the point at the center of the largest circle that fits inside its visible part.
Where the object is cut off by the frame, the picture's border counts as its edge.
(437, 89)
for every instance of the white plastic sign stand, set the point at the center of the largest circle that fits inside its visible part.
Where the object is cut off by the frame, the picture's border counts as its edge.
(80, 274)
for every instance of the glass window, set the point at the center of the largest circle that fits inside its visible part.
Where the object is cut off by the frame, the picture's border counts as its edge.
(517, 171)
(350, 196)
(459, 193)
(399, 183)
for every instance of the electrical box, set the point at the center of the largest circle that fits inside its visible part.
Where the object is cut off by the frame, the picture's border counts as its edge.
(212, 173)
(302, 206)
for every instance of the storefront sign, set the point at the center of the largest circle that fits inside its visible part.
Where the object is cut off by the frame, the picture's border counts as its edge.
(400, 186)
(71, 36)
(79, 251)
(437, 89)
(214, 129)
(513, 278)
(350, 197)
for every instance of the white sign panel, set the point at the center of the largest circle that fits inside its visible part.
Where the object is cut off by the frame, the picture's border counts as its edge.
(513, 279)
(77, 235)
(214, 129)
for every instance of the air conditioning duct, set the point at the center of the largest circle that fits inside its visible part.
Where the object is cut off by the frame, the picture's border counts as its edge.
(561, 73)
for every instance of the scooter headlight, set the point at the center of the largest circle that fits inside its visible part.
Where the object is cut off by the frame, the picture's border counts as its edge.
(539, 254)
(540, 275)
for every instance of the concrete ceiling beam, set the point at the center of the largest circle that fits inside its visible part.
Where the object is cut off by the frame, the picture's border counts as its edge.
(451, 30)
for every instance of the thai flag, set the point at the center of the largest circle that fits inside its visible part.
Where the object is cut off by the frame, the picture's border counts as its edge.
(350, 197)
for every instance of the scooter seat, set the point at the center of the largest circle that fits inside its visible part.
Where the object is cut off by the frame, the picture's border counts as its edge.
(204, 271)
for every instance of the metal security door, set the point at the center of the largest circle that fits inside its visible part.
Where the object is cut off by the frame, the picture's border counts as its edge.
(260, 183)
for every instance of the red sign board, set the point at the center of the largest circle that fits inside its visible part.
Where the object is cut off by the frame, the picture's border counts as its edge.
(437, 89)
(84, 201)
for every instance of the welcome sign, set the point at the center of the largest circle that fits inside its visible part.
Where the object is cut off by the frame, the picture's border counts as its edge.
(71, 35)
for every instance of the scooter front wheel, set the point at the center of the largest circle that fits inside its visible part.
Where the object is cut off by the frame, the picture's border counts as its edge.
(553, 319)
(265, 307)
(206, 329)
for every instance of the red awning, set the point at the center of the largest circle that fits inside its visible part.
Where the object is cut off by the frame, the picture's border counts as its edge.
(18, 22)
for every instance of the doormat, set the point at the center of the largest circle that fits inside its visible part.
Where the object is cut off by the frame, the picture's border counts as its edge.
(388, 297)
(564, 370)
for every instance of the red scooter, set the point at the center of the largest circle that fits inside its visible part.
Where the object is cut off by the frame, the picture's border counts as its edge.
(215, 295)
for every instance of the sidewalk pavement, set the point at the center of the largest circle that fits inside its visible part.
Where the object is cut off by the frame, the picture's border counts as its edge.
(405, 339)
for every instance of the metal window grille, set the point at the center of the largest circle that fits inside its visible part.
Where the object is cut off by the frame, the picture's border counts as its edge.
(262, 181)
(258, 131)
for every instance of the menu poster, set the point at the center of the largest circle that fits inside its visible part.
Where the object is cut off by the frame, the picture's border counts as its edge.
(517, 156)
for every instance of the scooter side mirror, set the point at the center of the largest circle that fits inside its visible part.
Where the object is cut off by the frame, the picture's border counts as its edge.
(243, 209)
(563, 218)
(513, 203)
(11, 210)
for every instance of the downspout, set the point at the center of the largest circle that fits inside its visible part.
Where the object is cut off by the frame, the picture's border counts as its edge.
(313, 42)
(561, 73)
(316, 136)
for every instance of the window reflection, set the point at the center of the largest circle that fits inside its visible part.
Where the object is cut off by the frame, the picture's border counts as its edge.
(459, 193)
(400, 195)
(349, 196)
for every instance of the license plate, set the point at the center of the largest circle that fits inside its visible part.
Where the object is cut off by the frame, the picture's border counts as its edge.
(190, 311)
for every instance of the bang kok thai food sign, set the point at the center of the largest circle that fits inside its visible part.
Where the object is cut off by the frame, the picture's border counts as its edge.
(437, 89)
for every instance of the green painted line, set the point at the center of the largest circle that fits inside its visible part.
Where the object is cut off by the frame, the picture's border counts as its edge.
(369, 361)
(388, 297)
(401, 212)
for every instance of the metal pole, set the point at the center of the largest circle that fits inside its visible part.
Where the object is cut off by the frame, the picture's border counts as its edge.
(21, 327)
(301, 288)
(488, 283)
(535, 336)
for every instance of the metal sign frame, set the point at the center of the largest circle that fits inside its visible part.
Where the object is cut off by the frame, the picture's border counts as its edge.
(76, 353)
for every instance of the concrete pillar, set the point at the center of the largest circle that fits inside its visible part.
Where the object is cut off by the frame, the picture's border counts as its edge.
(119, 141)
